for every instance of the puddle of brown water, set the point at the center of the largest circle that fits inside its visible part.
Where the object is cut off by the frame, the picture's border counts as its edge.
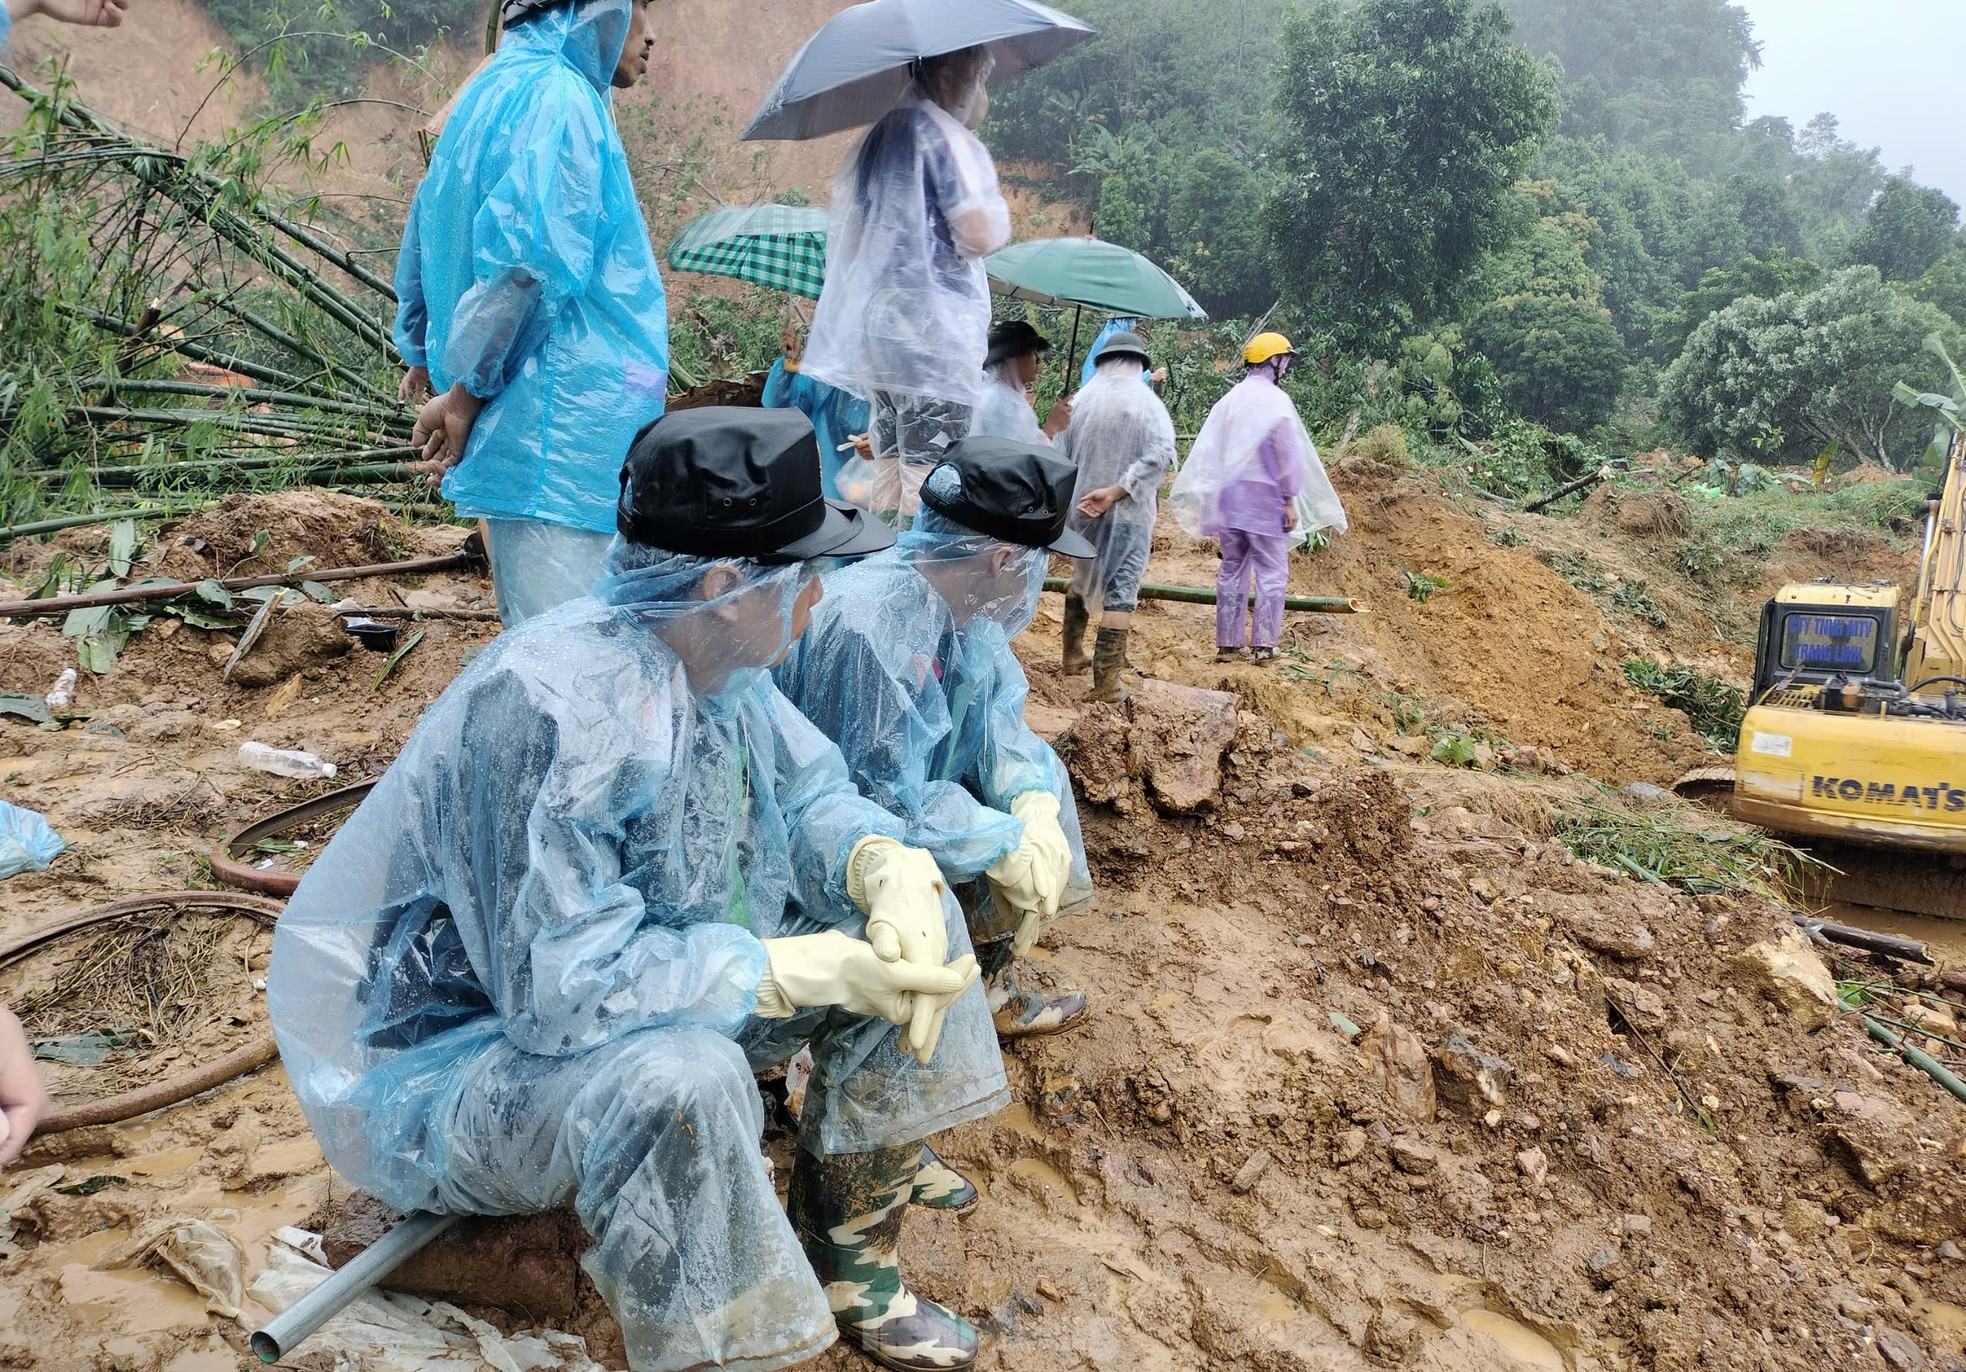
(1523, 1345)
(1945, 937)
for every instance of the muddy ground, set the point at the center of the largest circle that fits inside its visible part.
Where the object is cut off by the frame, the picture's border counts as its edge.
(1381, 1074)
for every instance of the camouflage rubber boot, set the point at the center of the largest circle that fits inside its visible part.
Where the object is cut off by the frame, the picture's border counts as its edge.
(1025, 1014)
(939, 1186)
(847, 1210)
(1077, 619)
(1108, 660)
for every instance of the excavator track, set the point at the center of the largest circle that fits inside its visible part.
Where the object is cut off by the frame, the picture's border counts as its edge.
(1879, 878)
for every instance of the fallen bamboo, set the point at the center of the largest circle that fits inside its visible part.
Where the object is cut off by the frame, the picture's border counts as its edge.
(11, 532)
(1918, 1058)
(1904, 949)
(171, 590)
(1196, 595)
(1601, 474)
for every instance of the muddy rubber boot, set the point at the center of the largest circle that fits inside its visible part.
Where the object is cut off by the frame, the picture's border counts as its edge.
(1077, 618)
(1108, 661)
(847, 1211)
(1227, 655)
(939, 1186)
(1020, 1013)
(1262, 655)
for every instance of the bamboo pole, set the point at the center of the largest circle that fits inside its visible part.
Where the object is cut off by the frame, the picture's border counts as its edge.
(1918, 1058)
(1195, 595)
(10, 532)
(171, 590)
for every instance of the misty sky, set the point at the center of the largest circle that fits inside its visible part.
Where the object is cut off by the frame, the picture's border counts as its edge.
(1889, 69)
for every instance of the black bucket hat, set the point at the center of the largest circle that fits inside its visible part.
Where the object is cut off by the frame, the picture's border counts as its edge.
(1015, 338)
(1008, 491)
(1124, 345)
(728, 482)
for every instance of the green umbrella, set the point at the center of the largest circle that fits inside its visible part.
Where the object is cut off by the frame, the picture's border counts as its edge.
(781, 247)
(1090, 275)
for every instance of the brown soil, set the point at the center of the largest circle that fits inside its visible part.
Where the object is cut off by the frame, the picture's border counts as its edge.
(1586, 1128)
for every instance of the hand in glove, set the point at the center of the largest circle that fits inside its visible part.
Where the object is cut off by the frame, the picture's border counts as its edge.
(901, 891)
(832, 969)
(1032, 879)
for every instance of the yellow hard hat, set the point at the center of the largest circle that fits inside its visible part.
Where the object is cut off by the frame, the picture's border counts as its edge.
(1265, 347)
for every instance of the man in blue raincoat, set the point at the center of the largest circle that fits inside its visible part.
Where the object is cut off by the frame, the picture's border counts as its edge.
(613, 874)
(837, 416)
(530, 301)
(908, 668)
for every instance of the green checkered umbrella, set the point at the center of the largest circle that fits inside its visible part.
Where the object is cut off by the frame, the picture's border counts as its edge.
(781, 247)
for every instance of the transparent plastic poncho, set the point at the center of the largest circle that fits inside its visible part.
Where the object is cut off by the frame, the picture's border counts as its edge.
(1229, 452)
(580, 841)
(1005, 411)
(908, 666)
(906, 308)
(1121, 435)
(528, 277)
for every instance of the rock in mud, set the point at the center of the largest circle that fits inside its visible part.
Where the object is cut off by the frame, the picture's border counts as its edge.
(298, 637)
(1898, 1350)
(1251, 1173)
(1170, 739)
(1468, 1079)
(1534, 1165)
(1787, 971)
(1878, 1133)
(1351, 1147)
(1397, 1061)
(1415, 1158)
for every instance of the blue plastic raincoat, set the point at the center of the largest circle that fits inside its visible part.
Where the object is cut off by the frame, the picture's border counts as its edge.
(525, 969)
(527, 275)
(6, 28)
(908, 667)
(836, 416)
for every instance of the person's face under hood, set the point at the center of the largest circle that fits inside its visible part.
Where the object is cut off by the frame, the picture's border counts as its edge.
(609, 41)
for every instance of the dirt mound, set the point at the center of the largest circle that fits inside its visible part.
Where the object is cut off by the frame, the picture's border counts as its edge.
(1459, 635)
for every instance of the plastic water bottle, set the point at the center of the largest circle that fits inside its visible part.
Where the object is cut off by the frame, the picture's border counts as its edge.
(303, 766)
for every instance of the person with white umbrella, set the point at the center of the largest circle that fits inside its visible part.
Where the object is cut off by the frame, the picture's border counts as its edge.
(905, 317)
(904, 320)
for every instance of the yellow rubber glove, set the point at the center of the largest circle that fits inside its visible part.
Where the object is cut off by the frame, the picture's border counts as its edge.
(1031, 881)
(829, 969)
(902, 893)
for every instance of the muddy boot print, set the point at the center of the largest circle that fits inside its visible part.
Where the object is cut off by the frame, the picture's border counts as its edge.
(847, 1210)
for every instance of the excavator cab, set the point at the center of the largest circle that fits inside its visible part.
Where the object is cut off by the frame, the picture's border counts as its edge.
(1829, 646)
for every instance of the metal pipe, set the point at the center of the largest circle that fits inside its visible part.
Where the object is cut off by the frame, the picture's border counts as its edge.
(338, 1292)
(1195, 595)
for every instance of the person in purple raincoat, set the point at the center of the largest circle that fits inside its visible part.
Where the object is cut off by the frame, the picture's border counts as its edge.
(1254, 483)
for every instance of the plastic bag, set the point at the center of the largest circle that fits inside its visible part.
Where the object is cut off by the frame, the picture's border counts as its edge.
(27, 844)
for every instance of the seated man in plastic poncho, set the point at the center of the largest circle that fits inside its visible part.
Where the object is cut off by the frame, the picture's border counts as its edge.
(1253, 481)
(1012, 369)
(612, 875)
(106, 14)
(908, 667)
(1122, 440)
(837, 416)
(530, 300)
(904, 320)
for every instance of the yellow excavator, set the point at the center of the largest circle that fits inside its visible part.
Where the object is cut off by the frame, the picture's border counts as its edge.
(1855, 739)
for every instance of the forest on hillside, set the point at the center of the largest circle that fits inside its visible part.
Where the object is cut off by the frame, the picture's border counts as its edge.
(1520, 239)
(1555, 211)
